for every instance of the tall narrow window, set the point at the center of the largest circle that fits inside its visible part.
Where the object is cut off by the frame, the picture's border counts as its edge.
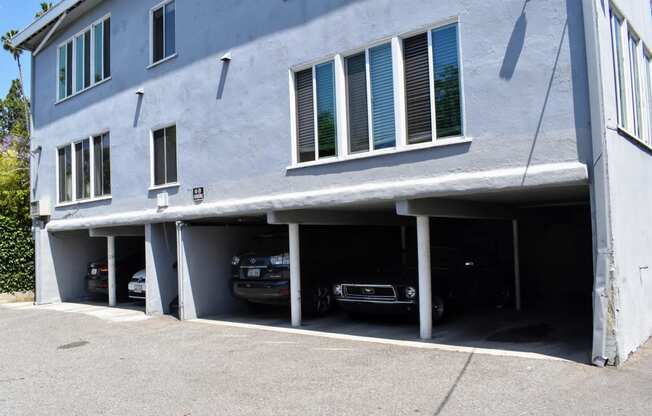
(619, 67)
(69, 52)
(417, 89)
(382, 96)
(83, 169)
(446, 70)
(83, 61)
(163, 31)
(356, 80)
(305, 116)
(648, 93)
(64, 162)
(635, 84)
(165, 156)
(102, 50)
(102, 165)
(63, 69)
(326, 122)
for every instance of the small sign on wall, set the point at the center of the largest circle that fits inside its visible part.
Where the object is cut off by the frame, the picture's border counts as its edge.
(198, 194)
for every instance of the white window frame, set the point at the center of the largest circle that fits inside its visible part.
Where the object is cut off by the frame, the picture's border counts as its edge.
(400, 116)
(628, 126)
(160, 5)
(75, 199)
(73, 39)
(152, 184)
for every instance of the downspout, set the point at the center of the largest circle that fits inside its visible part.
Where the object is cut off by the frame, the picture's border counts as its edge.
(604, 348)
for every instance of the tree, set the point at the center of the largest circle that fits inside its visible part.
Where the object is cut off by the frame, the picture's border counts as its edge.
(14, 149)
(8, 46)
(45, 7)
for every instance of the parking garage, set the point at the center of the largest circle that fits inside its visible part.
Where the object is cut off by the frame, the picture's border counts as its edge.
(516, 279)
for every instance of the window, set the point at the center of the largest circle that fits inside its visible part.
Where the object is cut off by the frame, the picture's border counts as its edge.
(163, 29)
(64, 161)
(84, 60)
(84, 169)
(102, 164)
(619, 67)
(370, 92)
(388, 96)
(635, 84)
(442, 94)
(164, 151)
(315, 91)
(647, 80)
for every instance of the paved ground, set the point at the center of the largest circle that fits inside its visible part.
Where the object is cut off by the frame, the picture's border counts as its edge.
(53, 362)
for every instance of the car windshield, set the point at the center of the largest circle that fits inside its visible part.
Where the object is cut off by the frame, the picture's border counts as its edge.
(273, 244)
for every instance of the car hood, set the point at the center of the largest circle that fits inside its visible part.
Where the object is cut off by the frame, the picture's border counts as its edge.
(139, 276)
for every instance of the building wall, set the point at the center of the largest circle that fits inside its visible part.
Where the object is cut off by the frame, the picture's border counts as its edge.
(525, 93)
(161, 266)
(628, 172)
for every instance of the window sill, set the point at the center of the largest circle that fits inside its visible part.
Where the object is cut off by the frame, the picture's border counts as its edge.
(164, 186)
(97, 84)
(390, 151)
(157, 63)
(83, 201)
(625, 132)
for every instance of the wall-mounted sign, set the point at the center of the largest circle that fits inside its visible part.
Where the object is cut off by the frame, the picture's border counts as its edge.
(198, 194)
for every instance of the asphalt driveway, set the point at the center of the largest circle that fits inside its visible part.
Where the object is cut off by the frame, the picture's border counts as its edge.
(53, 362)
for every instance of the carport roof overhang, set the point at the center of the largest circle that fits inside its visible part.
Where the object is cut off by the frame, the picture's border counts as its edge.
(545, 177)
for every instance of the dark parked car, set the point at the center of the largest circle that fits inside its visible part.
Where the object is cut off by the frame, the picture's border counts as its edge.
(97, 279)
(262, 276)
(458, 282)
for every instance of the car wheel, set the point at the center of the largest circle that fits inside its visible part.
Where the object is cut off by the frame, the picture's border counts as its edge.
(437, 308)
(323, 301)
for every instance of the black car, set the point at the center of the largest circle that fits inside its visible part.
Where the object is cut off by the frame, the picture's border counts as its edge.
(458, 282)
(262, 276)
(97, 279)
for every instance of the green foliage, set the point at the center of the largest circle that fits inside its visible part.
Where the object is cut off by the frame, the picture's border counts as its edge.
(16, 256)
(14, 146)
(45, 6)
(15, 204)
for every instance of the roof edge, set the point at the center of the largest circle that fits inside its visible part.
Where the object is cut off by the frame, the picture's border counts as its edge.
(42, 22)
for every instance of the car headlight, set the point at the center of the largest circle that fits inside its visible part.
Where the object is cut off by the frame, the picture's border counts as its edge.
(337, 290)
(280, 260)
(235, 260)
(410, 292)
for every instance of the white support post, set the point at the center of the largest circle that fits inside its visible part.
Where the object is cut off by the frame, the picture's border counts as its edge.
(425, 278)
(110, 246)
(295, 275)
(517, 267)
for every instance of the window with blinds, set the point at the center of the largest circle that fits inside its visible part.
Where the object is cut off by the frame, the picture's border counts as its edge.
(316, 112)
(446, 70)
(356, 80)
(417, 89)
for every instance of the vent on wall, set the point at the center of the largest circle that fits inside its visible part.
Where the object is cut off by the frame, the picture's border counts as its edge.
(39, 209)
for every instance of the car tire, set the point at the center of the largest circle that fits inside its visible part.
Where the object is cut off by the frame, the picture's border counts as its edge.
(437, 308)
(322, 301)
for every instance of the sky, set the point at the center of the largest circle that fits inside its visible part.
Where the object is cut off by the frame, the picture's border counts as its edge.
(15, 14)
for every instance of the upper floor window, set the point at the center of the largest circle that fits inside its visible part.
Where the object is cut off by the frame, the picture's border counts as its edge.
(632, 79)
(84, 169)
(162, 31)
(164, 156)
(84, 60)
(390, 96)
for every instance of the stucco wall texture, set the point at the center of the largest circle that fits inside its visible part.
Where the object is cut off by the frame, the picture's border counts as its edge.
(525, 93)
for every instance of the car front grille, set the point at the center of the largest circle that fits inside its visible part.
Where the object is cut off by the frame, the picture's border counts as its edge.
(371, 292)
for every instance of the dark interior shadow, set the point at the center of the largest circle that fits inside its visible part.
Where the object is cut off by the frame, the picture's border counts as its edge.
(545, 102)
(514, 46)
(225, 71)
(139, 106)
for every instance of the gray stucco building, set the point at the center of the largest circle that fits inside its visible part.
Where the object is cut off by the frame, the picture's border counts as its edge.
(341, 113)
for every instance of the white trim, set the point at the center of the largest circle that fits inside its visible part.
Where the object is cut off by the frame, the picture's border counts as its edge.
(398, 71)
(293, 117)
(370, 119)
(164, 186)
(431, 84)
(314, 111)
(162, 61)
(83, 201)
(448, 141)
(341, 106)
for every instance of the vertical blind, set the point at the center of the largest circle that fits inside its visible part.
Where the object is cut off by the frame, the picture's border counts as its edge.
(382, 96)
(356, 75)
(448, 108)
(417, 89)
(326, 124)
(305, 116)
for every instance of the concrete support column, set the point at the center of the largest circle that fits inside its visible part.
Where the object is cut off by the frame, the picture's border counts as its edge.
(110, 248)
(295, 275)
(517, 267)
(425, 278)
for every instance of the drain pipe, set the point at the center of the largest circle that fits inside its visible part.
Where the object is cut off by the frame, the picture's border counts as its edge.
(603, 319)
